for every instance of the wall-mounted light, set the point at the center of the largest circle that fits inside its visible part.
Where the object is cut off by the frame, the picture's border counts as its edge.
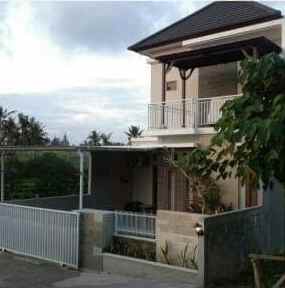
(199, 229)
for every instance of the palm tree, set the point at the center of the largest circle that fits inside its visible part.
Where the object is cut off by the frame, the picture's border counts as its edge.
(105, 138)
(65, 140)
(133, 132)
(94, 138)
(31, 131)
(6, 127)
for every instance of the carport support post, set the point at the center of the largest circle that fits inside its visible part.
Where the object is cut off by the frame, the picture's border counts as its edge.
(89, 172)
(2, 177)
(81, 183)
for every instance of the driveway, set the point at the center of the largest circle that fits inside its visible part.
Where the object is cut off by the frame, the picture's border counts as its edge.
(24, 272)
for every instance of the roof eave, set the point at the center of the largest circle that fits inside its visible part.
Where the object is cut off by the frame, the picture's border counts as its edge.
(141, 49)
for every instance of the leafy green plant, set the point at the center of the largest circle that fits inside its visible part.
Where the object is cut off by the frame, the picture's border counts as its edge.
(186, 258)
(164, 252)
(182, 257)
(193, 258)
(133, 248)
(251, 132)
(211, 197)
(42, 174)
(196, 167)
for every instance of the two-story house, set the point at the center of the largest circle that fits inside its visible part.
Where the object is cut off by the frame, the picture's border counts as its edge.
(194, 67)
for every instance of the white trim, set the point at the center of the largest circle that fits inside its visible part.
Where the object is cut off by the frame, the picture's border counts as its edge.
(172, 182)
(169, 145)
(81, 179)
(143, 139)
(152, 61)
(89, 173)
(135, 237)
(2, 177)
(200, 99)
(232, 32)
(182, 131)
(283, 36)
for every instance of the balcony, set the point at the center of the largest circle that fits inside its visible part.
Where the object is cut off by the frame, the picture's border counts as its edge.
(190, 113)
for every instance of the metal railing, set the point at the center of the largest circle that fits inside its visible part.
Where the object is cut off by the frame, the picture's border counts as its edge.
(135, 224)
(170, 115)
(43, 233)
(209, 109)
(189, 113)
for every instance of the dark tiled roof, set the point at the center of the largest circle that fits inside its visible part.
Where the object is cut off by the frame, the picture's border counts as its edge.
(215, 17)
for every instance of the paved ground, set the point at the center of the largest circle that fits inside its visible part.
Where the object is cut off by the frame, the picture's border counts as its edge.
(22, 272)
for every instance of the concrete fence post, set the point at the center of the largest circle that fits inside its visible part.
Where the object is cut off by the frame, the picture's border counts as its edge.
(96, 232)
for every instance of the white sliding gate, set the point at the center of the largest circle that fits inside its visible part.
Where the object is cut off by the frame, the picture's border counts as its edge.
(43, 233)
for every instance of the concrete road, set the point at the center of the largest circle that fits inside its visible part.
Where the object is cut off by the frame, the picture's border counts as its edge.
(23, 272)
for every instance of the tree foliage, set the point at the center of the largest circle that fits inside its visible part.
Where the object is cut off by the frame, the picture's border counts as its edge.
(20, 129)
(106, 138)
(95, 138)
(251, 132)
(57, 141)
(196, 166)
(41, 174)
(133, 132)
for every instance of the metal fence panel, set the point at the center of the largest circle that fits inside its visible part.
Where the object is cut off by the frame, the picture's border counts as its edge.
(135, 224)
(43, 233)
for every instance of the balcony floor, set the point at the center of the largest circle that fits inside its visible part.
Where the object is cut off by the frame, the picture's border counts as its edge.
(178, 131)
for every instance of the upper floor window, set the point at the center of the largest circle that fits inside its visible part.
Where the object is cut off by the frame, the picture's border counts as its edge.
(171, 85)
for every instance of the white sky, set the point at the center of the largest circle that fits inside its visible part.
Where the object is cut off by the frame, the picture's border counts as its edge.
(73, 90)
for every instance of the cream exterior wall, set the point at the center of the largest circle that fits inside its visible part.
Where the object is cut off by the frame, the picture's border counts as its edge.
(172, 75)
(218, 80)
(232, 193)
(156, 82)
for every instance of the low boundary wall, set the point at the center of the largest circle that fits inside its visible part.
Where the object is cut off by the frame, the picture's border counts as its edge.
(229, 238)
(118, 264)
(176, 230)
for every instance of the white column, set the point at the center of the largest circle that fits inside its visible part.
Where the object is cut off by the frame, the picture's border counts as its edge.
(172, 183)
(2, 177)
(89, 173)
(283, 37)
(81, 181)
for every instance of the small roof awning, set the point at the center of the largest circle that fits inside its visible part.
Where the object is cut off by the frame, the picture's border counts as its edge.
(141, 148)
(220, 54)
(122, 148)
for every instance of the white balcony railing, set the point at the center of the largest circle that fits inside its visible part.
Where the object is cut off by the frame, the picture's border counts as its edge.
(201, 112)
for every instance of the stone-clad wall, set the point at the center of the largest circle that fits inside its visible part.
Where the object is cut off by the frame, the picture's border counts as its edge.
(177, 229)
(96, 231)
